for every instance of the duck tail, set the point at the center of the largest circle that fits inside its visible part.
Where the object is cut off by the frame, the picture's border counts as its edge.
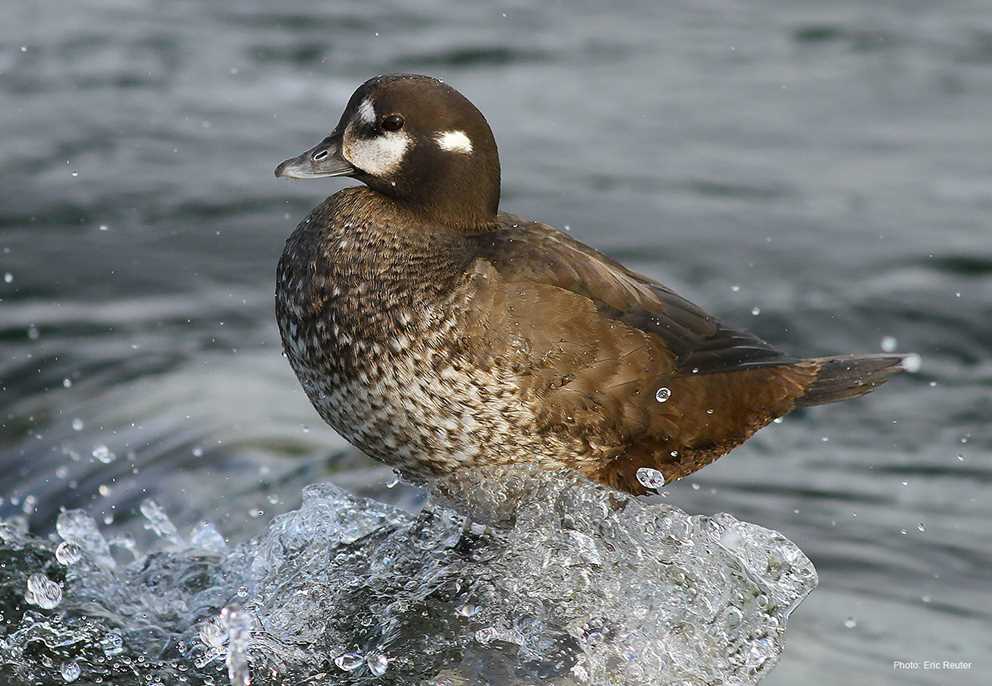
(849, 376)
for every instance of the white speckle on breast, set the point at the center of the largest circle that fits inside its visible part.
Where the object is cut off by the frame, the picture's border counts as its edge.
(454, 141)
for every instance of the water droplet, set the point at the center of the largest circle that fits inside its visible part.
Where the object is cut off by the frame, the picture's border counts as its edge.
(662, 394)
(889, 344)
(43, 592)
(467, 610)
(77, 424)
(158, 520)
(912, 363)
(920, 527)
(103, 227)
(850, 623)
(68, 553)
(33, 332)
(70, 671)
(8, 278)
(349, 661)
(67, 382)
(710, 411)
(735, 288)
(777, 420)
(103, 454)
(755, 310)
(197, 451)
(650, 478)
(378, 663)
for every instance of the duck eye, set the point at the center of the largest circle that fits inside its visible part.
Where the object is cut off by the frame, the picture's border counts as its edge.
(393, 122)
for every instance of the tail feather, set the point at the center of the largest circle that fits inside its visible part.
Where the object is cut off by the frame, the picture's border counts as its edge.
(849, 376)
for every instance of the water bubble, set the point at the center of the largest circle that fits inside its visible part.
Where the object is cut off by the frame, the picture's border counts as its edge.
(889, 344)
(735, 288)
(67, 383)
(710, 411)
(77, 423)
(8, 278)
(43, 592)
(920, 527)
(68, 553)
(650, 478)
(378, 663)
(70, 671)
(33, 332)
(755, 310)
(75, 526)
(349, 661)
(850, 623)
(102, 453)
(662, 394)
(197, 451)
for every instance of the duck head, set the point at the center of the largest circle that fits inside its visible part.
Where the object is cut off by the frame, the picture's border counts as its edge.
(417, 140)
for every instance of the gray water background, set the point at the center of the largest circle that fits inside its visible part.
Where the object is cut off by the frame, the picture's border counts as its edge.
(827, 163)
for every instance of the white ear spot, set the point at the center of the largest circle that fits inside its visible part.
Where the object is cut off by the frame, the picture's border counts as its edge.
(366, 111)
(454, 141)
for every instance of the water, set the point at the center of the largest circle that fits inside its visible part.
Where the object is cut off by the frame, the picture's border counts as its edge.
(580, 586)
(815, 172)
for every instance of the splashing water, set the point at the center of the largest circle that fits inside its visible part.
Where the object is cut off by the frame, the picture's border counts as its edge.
(42, 592)
(578, 585)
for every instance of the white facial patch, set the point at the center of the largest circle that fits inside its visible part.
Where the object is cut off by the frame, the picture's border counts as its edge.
(366, 112)
(378, 156)
(454, 141)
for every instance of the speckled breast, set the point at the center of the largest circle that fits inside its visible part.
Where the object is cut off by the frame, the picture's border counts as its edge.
(378, 353)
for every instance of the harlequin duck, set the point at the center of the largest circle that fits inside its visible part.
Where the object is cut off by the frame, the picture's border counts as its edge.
(436, 333)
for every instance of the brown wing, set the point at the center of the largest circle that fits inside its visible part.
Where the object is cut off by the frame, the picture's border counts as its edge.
(590, 344)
